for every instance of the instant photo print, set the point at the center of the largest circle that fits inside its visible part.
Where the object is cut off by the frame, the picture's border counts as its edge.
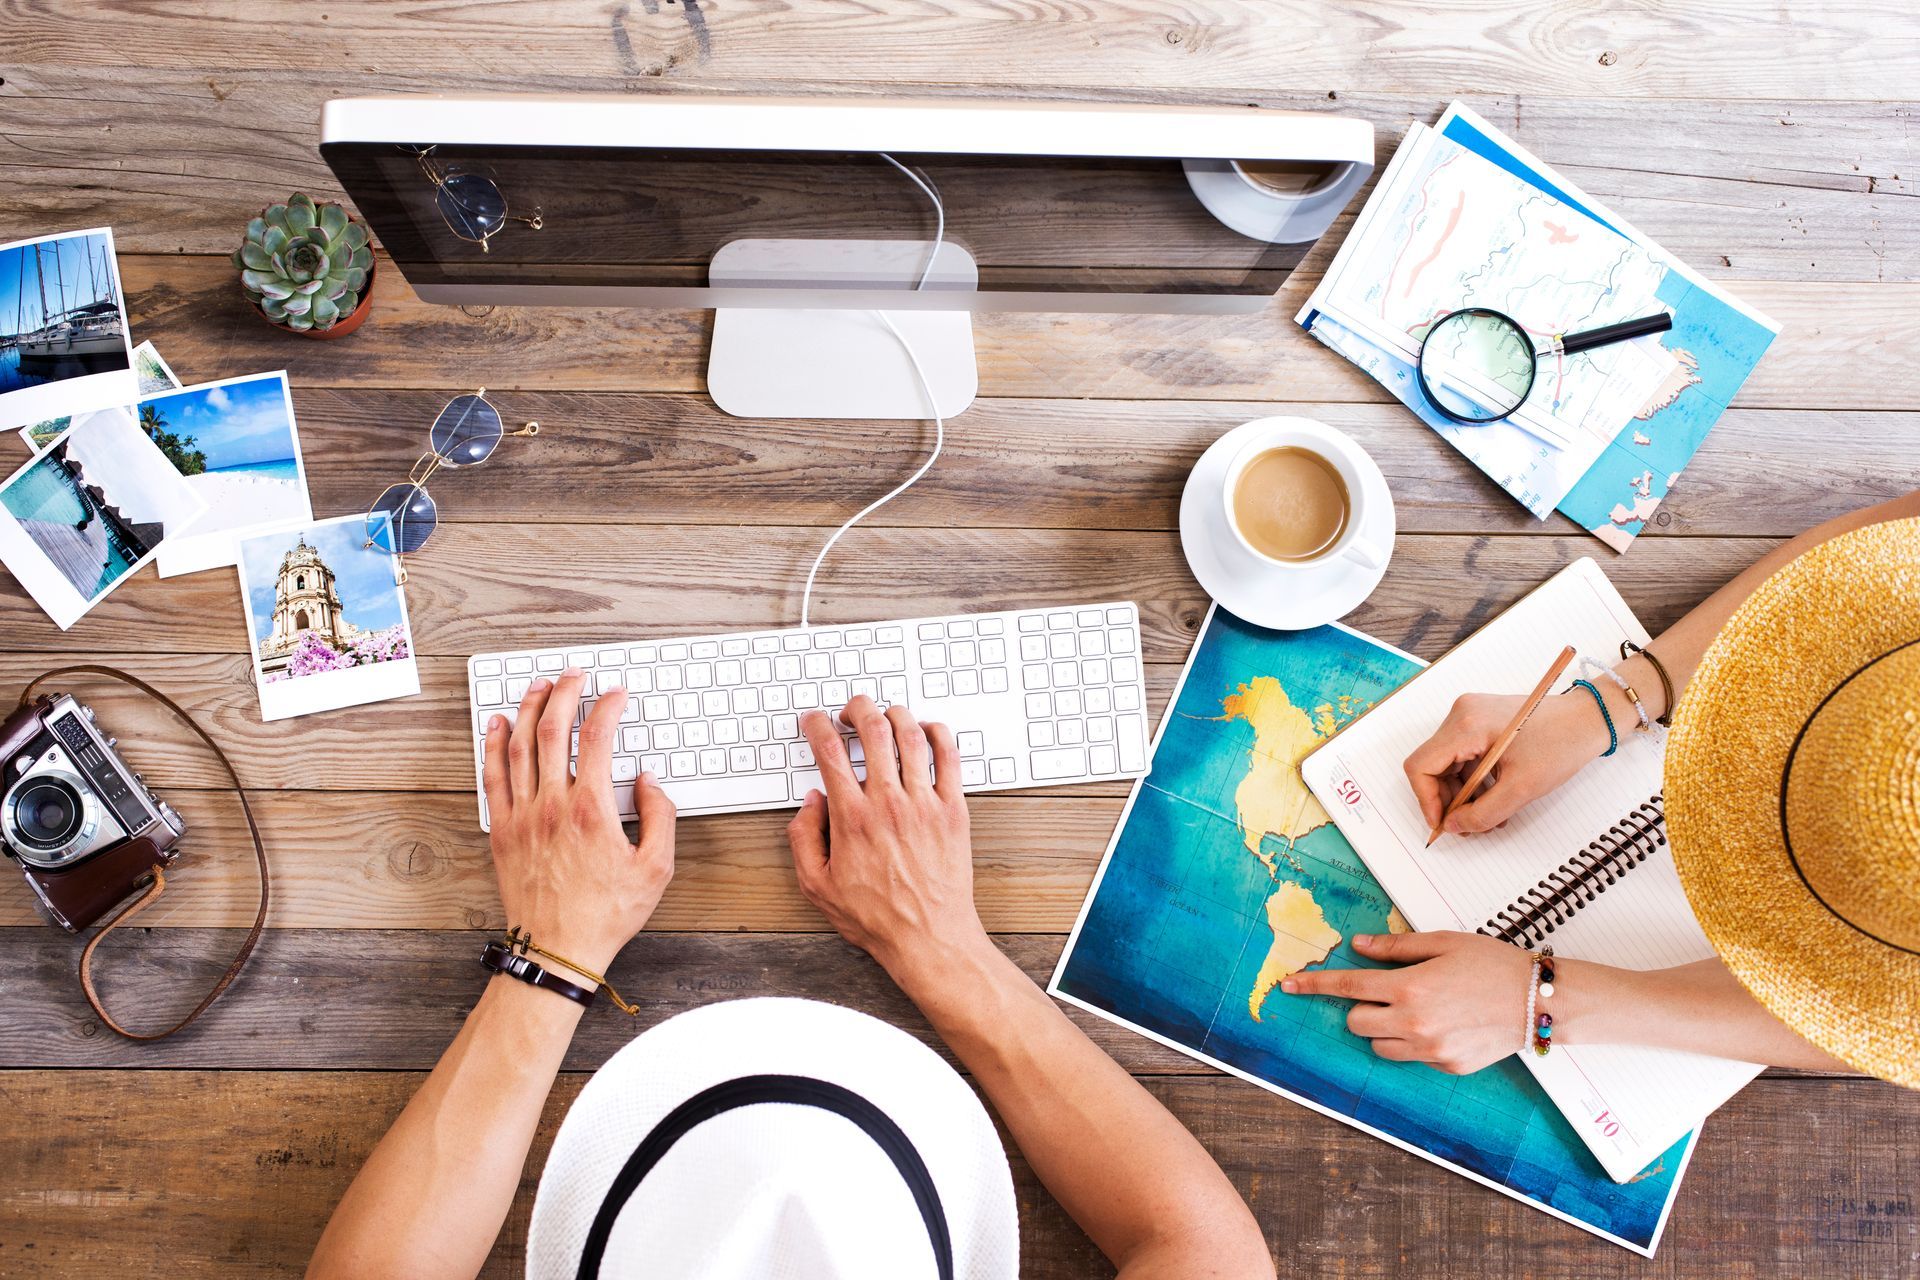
(326, 618)
(78, 520)
(236, 444)
(64, 349)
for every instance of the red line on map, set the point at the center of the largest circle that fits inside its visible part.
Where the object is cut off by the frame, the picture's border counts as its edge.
(1453, 220)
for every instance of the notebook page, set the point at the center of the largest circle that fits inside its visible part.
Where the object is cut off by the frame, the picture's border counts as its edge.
(1640, 922)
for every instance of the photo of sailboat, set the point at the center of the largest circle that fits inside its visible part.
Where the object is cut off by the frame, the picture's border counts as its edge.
(61, 312)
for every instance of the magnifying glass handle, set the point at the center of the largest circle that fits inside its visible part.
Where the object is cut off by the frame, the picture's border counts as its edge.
(1607, 334)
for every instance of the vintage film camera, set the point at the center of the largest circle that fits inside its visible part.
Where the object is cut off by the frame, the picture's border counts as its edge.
(83, 826)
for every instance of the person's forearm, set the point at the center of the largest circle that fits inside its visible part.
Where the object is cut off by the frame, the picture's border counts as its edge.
(432, 1196)
(1136, 1181)
(1681, 646)
(1699, 1007)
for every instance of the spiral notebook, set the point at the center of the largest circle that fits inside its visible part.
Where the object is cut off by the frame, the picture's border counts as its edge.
(1586, 869)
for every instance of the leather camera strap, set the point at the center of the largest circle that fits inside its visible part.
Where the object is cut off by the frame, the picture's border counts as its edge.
(159, 885)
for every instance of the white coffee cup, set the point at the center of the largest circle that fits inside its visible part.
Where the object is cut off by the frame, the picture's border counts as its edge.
(1348, 460)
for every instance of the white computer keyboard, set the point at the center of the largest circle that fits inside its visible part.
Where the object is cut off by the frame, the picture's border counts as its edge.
(1034, 696)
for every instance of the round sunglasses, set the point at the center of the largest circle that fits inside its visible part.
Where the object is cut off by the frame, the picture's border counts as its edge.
(470, 200)
(465, 434)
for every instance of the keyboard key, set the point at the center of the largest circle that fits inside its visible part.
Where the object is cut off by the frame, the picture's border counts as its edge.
(1058, 764)
(639, 680)
(726, 732)
(1067, 702)
(993, 651)
(963, 653)
(960, 627)
(745, 701)
(786, 727)
(487, 667)
(634, 738)
(1120, 641)
(846, 662)
(608, 681)
(991, 626)
(933, 655)
(810, 780)
(742, 759)
(1060, 645)
(715, 702)
(806, 696)
(613, 657)
(835, 693)
(743, 791)
(1093, 644)
(973, 773)
(1087, 617)
(625, 768)
(816, 666)
(867, 685)
(643, 653)
(697, 734)
(1033, 648)
(1100, 729)
(1000, 769)
(551, 663)
(972, 743)
(1093, 671)
(795, 642)
(966, 683)
(654, 708)
(1034, 677)
(517, 689)
(686, 706)
(934, 684)
(931, 631)
(893, 689)
(1059, 621)
(759, 670)
(880, 662)
(755, 729)
(994, 680)
(889, 635)
(654, 764)
(699, 675)
(713, 760)
(859, 638)
(775, 697)
(490, 693)
(1133, 743)
(1071, 733)
(673, 653)
(581, 659)
(826, 639)
(800, 754)
(667, 679)
(1125, 669)
(1040, 733)
(630, 711)
(728, 672)
(1127, 698)
(682, 764)
(786, 668)
(766, 644)
(1039, 706)
(1103, 758)
(734, 648)
(772, 756)
(1066, 674)
(666, 737)
(1120, 615)
(1030, 622)
(706, 649)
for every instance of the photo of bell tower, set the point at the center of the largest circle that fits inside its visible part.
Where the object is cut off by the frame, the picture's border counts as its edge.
(305, 599)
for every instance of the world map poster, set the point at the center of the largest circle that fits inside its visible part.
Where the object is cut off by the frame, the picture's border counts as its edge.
(1226, 875)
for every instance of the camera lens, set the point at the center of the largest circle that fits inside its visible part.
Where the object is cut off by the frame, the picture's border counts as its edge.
(46, 812)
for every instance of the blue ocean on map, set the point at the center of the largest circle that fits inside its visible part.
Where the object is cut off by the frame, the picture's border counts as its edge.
(1177, 933)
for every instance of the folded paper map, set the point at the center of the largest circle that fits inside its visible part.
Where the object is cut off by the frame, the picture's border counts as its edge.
(1226, 875)
(1463, 217)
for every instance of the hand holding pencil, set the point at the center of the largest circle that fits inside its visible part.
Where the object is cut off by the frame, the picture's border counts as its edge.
(1522, 747)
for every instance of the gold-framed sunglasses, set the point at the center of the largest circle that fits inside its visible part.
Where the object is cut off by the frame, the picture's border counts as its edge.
(465, 434)
(470, 200)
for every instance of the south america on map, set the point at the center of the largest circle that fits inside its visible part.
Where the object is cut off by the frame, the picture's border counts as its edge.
(1227, 875)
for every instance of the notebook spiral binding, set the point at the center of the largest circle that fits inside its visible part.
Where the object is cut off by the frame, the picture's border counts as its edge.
(1582, 878)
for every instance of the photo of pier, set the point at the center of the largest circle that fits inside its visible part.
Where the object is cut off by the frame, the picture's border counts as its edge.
(61, 313)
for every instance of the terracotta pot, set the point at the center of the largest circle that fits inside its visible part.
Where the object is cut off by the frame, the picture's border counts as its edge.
(342, 327)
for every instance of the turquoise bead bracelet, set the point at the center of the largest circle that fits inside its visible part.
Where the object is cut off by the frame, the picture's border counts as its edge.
(1613, 735)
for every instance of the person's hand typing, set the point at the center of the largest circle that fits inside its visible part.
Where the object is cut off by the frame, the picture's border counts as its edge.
(1563, 734)
(1459, 1007)
(889, 862)
(568, 874)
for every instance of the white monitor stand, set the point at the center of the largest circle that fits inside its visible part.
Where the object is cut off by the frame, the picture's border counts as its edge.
(832, 363)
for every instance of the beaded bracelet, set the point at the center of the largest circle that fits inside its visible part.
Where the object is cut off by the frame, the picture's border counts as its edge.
(1613, 735)
(1540, 1031)
(1629, 649)
(1591, 667)
(1533, 989)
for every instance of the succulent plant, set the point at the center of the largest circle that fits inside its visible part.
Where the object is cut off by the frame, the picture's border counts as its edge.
(304, 264)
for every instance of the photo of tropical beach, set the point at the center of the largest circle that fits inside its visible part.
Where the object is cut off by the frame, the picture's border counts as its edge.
(60, 311)
(99, 501)
(234, 441)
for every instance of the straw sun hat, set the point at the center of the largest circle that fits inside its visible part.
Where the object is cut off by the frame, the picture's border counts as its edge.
(1793, 796)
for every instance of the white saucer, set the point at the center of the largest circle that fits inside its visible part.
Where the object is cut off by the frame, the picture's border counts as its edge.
(1281, 599)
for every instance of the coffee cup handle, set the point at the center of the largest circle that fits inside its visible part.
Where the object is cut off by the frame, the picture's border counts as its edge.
(1367, 553)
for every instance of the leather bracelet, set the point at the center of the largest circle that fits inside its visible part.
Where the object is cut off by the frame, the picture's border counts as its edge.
(499, 958)
(1629, 649)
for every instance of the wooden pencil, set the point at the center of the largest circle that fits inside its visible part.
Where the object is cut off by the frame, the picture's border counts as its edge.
(1501, 743)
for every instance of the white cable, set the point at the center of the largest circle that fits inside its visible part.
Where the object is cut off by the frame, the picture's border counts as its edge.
(926, 388)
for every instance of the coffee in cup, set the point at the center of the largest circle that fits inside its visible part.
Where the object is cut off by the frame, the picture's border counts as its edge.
(1291, 504)
(1287, 178)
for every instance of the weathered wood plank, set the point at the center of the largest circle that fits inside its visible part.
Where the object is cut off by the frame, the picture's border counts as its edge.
(488, 587)
(1757, 189)
(124, 1183)
(653, 459)
(382, 860)
(191, 308)
(1839, 49)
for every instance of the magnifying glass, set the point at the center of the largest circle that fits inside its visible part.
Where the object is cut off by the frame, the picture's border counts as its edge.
(1477, 365)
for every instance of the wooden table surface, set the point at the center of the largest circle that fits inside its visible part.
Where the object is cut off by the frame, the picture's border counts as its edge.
(1774, 151)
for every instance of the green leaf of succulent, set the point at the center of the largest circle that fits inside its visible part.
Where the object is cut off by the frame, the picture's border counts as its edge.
(313, 287)
(347, 303)
(362, 258)
(333, 220)
(356, 235)
(356, 278)
(262, 281)
(300, 322)
(324, 313)
(301, 200)
(273, 308)
(236, 259)
(252, 255)
(256, 229)
(276, 216)
(275, 239)
(299, 304)
(300, 217)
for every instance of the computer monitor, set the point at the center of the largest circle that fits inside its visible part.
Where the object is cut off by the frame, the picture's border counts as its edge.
(797, 218)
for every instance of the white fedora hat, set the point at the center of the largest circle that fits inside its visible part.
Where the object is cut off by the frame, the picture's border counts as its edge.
(775, 1138)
